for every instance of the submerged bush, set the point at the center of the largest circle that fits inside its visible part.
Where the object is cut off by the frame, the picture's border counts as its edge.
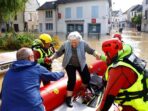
(14, 41)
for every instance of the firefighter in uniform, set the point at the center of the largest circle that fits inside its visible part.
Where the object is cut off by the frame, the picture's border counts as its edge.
(43, 49)
(126, 84)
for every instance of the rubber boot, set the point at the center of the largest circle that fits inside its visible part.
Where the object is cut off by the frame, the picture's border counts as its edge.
(69, 102)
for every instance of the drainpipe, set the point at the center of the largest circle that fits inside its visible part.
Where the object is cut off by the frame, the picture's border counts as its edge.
(24, 21)
(56, 17)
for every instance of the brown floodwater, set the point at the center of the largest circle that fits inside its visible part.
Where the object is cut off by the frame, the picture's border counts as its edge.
(139, 42)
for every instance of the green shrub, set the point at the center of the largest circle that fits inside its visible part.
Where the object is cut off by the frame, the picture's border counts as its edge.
(13, 41)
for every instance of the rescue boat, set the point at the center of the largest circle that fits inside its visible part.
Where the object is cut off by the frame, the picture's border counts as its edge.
(54, 94)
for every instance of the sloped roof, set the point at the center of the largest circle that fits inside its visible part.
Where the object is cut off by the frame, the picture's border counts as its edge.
(52, 5)
(115, 13)
(140, 8)
(125, 12)
(137, 8)
(48, 5)
(38, 2)
(70, 1)
(131, 8)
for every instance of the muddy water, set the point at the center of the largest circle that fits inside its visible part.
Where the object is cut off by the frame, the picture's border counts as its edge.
(139, 42)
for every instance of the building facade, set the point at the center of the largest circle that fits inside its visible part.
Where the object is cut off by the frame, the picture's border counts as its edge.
(145, 16)
(31, 16)
(47, 18)
(26, 20)
(85, 16)
(115, 19)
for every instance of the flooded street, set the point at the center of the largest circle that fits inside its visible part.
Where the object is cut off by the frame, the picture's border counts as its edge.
(139, 42)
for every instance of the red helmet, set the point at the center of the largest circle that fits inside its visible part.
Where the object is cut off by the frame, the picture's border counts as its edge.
(118, 36)
(111, 47)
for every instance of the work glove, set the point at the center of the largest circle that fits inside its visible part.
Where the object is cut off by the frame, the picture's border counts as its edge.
(47, 60)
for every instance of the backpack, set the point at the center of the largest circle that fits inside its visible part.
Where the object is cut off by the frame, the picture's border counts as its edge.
(138, 63)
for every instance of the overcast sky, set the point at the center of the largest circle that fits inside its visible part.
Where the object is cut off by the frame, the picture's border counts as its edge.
(124, 4)
(116, 4)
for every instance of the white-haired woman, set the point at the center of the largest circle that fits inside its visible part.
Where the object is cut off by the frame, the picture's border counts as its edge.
(74, 59)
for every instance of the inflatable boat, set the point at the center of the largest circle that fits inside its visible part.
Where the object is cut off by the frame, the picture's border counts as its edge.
(54, 94)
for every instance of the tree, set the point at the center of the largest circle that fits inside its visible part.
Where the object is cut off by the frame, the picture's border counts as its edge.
(136, 20)
(9, 8)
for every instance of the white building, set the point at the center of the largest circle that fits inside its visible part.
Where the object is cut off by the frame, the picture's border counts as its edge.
(115, 19)
(145, 16)
(137, 10)
(31, 15)
(123, 20)
(119, 20)
(47, 17)
(85, 16)
(26, 20)
(131, 12)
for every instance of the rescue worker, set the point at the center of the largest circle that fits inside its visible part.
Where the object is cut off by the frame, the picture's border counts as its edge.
(117, 35)
(21, 84)
(74, 50)
(124, 82)
(43, 49)
(126, 48)
(94, 67)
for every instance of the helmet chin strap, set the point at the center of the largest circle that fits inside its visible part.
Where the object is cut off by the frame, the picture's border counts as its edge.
(108, 55)
(112, 60)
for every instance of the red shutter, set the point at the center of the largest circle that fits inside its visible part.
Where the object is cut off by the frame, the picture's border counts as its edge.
(93, 21)
(59, 15)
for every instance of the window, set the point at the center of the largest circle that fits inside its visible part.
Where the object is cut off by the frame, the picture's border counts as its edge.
(49, 26)
(79, 12)
(146, 14)
(75, 27)
(49, 14)
(15, 18)
(68, 13)
(94, 28)
(132, 13)
(95, 11)
(135, 14)
(40, 24)
(30, 16)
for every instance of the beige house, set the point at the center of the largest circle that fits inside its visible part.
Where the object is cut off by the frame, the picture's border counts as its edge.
(144, 25)
(47, 18)
(26, 20)
(31, 15)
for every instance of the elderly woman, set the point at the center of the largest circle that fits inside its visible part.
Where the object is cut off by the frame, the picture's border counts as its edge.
(74, 59)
